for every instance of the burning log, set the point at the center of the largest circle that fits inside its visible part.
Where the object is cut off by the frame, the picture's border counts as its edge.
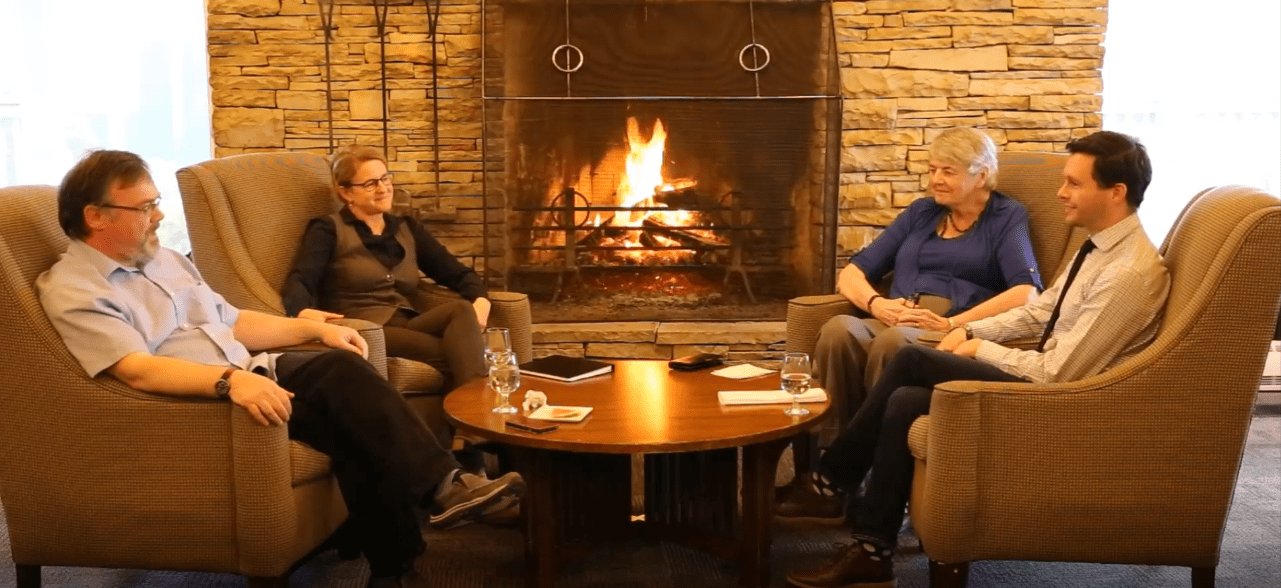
(686, 236)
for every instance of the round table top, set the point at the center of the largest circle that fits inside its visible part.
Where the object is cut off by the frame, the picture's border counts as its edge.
(641, 407)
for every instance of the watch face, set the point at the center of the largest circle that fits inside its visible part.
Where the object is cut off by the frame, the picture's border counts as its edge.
(222, 388)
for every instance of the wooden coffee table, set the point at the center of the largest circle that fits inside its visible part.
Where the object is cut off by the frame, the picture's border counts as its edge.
(579, 477)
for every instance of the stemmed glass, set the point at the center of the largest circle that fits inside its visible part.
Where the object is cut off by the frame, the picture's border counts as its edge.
(504, 378)
(796, 380)
(497, 342)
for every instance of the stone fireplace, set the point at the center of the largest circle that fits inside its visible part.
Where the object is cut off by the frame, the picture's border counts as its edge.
(643, 169)
(420, 82)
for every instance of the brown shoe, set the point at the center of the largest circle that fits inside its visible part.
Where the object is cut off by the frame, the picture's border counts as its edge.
(861, 564)
(807, 501)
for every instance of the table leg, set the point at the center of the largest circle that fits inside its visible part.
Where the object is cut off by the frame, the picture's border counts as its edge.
(759, 464)
(539, 510)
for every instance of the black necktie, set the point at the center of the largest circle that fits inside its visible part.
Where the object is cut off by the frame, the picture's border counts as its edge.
(1086, 248)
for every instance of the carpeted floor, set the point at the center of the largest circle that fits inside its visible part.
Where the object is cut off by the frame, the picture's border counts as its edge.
(488, 557)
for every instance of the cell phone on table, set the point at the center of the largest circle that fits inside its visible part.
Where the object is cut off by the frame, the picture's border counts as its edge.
(532, 427)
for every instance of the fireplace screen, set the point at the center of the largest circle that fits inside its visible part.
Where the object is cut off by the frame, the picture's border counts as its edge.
(660, 160)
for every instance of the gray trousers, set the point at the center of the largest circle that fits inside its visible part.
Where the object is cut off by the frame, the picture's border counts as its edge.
(848, 359)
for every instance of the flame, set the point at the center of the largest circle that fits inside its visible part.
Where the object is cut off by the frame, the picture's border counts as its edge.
(638, 169)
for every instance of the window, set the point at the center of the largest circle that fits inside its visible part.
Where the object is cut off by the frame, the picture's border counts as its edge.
(1200, 84)
(84, 74)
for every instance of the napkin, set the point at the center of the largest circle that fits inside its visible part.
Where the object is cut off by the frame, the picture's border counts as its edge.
(729, 397)
(741, 371)
(533, 400)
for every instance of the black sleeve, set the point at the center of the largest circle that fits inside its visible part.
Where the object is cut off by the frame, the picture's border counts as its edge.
(441, 266)
(302, 286)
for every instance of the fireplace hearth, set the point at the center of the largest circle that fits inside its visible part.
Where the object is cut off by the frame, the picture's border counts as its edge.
(660, 160)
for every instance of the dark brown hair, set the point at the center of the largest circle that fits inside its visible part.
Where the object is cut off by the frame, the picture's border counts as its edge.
(91, 181)
(1118, 159)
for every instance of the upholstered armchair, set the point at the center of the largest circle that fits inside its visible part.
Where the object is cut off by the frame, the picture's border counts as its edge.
(246, 215)
(1136, 465)
(96, 474)
(1031, 178)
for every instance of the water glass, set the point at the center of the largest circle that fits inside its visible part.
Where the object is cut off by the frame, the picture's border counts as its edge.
(497, 342)
(796, 380)
(504, 378)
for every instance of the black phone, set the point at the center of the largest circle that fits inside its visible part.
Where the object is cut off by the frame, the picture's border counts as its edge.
(694, 362)
(532, 427)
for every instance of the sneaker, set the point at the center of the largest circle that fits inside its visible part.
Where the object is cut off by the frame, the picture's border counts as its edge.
(466, 497)
(861, 564)
(811, 500)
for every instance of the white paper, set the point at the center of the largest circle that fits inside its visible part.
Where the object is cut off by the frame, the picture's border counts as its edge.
(741, 371)
(533, 400)
(733, 397)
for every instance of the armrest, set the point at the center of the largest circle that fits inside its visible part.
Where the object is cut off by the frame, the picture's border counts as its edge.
(806, 316)
(511, 310)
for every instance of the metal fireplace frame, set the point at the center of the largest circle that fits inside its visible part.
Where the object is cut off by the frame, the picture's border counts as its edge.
(569, 207)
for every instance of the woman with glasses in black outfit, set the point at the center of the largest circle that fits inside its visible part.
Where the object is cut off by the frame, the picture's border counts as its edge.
(962, 255)
(362, 262)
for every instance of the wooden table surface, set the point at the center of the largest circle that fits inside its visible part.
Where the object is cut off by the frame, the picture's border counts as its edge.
(641, 407)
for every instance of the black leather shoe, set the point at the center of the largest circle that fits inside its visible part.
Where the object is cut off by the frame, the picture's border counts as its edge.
(861, 564)
(808, 502)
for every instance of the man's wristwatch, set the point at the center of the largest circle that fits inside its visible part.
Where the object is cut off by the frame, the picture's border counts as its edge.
(968, 333)
(222, 388)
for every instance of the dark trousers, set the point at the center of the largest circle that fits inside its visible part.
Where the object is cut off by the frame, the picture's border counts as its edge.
(385, 457)
(446, 337)
(876, 438)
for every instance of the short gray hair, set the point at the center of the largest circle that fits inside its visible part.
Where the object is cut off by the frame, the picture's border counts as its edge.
(969, 148)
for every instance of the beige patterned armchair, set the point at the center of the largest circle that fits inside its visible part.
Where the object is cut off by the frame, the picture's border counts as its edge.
(1136, 465)
(246, 215)
(96, 474)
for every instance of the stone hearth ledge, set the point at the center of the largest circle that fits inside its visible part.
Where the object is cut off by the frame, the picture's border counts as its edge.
(754, 341)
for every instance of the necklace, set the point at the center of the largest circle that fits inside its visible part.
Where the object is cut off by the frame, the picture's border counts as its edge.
(952, 222)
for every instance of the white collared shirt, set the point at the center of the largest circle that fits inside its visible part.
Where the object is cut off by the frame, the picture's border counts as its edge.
(1111, 312)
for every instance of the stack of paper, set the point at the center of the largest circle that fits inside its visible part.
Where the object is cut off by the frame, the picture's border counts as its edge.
(741, 371)
(731, 397)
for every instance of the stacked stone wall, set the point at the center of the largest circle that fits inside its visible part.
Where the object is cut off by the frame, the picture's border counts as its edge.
(1026, 71)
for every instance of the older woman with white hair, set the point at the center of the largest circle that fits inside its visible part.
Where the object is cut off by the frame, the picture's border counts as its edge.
(959, 256)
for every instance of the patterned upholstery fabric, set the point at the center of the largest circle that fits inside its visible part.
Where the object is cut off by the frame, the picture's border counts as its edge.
(1135, 465)
(96, 474)
(1031, 178)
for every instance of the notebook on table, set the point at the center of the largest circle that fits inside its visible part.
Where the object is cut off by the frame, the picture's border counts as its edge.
(563, 368)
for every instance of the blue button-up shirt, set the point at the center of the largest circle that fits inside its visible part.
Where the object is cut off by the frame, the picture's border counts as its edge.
(105, 310)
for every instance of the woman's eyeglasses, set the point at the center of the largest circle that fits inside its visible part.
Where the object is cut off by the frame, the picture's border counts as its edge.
(371, 184)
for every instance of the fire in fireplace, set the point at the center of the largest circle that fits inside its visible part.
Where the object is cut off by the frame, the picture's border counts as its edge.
(710, 195)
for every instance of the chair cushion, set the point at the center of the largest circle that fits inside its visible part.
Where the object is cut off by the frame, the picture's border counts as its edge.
(307, 464)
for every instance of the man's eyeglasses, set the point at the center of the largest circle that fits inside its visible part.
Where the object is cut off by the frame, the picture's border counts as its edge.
(146, 209)
(371, 184)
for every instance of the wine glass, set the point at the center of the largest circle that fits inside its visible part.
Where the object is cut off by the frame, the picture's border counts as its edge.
(796, 380)
(497, 342)
(504, 378)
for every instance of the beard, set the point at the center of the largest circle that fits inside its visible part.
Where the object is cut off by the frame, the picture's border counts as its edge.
(146, 252)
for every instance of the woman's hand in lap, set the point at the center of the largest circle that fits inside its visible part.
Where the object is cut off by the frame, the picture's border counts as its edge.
(922, 319)
(889, 310)
(319, 316)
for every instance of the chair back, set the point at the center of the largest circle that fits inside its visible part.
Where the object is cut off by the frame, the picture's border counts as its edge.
(246, 215)
(1034, 179)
